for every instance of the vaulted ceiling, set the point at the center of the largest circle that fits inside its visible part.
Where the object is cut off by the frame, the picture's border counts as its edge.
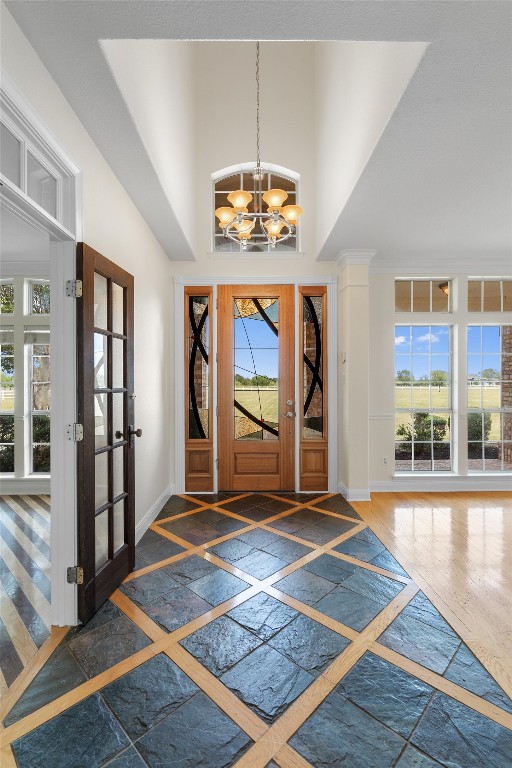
(398, 115)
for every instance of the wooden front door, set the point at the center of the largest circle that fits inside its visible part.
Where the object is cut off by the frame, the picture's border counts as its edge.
(256, 385)
(106, 455)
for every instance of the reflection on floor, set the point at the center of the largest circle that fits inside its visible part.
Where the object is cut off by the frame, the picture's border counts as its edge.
(24, 581)
(262, 630)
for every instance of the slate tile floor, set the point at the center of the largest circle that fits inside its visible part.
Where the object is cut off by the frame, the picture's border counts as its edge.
(263, 630)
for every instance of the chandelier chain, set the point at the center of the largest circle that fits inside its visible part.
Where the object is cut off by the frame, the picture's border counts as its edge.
(258, 105)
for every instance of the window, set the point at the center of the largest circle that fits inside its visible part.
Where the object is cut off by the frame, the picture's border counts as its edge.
(422, 295)
(423, 408)
(489, 386)
(25, 377)
(243, 179)
(489, 295)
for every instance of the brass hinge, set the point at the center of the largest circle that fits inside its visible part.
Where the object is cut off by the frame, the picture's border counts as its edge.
(75, 575)
(74, 289)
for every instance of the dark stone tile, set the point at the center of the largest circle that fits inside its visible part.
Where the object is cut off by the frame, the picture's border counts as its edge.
(421, 609)
(420, 642)
(149, 587)
(373, 585)
(219, 586)
(338, 505)
(238, 506)
(305, 586)
(411, 758)
(276, 507)
(191, 531)
(60, 674)
(349, 608)
(386, 692)
(130, 758)
(317, 534)
(263, 615)
(330, 568)
(257, 514)
(466, 671)
(287, 550)
(229, 525)
(456, 735)
(260, 539)
(231, 550)
(147, 694)
(387, 561)
(139, 562)
(267, 682)
(260, 499)
(196, 734)
(176, 609)
(214, 519)
(271, 765)
(260, 564)
(341, 734)
(153, 547)
(220, 644)
(300, 498)
(101, 648)
(361, 550)
(87, 734)
(214, 498)
(175, 506)
(107, 612)
(309, 644)
(189, 569)
(290, 524)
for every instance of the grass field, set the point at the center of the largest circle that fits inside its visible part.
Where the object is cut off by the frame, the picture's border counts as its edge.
(263, 404)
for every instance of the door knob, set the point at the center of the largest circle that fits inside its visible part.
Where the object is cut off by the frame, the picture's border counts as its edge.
(132, 434)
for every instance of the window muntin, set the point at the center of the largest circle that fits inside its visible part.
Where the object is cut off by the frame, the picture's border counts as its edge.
(489, 392)
(422, 295)
(489, 295)
(423, 410)
(244, 180)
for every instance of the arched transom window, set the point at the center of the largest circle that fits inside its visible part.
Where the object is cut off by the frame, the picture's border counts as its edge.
(240, 177)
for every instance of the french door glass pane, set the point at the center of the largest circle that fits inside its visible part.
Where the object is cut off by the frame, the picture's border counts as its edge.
(118, 525)
(256, 368)
(117, 308)
(117, 363)
(118, 471)
(100, 420)
(100, 361)
(118, 425)
(101, 536)
(101, 479)
(100, 301)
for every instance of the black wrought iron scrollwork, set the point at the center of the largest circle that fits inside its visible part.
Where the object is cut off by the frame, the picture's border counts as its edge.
(313, 365)
(197, 348)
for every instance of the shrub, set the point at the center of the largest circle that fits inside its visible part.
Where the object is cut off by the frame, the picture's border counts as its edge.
(475, 426)
(422, 428)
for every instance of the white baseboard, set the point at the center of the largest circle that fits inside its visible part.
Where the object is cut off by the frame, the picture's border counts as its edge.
(354, 494)
(143, 525)
(25, 486)
(442, 484)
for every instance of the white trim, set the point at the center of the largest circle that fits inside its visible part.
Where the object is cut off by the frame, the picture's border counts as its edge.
(279, 170)
(64, 529)
(258, 280)
(260, 255)
(35, 269)
(437, 484)
(354, 256)
(332, 386)
(152, 512)
(354, 494)
(25, 485)
(22, 205)
(467, 264)
(179, 388)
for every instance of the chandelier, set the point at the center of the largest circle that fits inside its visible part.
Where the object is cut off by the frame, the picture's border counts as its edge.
(279, 222)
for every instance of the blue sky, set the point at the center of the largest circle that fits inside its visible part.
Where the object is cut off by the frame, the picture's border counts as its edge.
(255, 335)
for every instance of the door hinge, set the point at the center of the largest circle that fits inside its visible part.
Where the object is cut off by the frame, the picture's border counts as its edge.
(75, 432)
(74, 288)
(75, 575)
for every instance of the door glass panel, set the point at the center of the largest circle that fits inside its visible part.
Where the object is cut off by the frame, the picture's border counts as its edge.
(117, 308)
(100, 301)
(101, 479)
(256, 368)
(100, 361)
(101, 538)
(118, 425)
(117, 363)
(41, 185)
(118, 471)
(198, 422)
(118, 525)
(312, 367)
(100, 421)
(41, 397)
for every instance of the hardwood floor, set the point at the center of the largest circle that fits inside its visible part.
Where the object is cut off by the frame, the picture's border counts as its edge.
(458, 548)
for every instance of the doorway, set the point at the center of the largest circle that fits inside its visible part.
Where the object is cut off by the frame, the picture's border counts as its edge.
(260, 412)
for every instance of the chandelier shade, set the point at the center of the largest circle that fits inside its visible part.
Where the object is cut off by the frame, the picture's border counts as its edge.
(278, 222)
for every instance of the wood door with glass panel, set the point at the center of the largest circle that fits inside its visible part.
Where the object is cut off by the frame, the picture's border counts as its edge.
(105, 409)
(256, 419)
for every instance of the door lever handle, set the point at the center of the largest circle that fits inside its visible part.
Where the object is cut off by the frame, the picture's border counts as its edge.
(132, 434)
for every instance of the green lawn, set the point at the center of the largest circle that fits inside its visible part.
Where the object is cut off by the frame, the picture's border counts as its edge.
(263, 404)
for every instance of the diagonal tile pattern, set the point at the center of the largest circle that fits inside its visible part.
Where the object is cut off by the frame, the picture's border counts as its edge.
(263, 630)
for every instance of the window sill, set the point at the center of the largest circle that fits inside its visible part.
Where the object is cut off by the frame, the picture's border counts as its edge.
(252, 255)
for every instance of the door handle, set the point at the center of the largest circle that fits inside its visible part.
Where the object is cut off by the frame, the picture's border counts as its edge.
(132, 434)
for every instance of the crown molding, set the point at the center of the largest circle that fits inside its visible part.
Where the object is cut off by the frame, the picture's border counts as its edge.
(354, 256)
(445, 264)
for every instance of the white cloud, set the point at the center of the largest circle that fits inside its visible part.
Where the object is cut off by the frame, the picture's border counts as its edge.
(428, 337)
(400, 340)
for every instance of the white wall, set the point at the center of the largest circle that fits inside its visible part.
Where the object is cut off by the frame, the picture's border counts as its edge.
(113, 226)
